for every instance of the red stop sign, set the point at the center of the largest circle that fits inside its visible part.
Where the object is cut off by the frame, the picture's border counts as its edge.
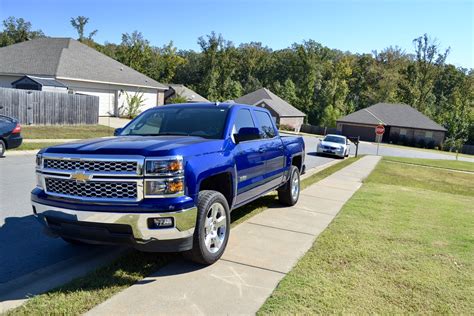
(379, 130)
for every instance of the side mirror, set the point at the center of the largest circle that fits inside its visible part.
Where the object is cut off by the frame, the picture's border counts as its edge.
(247, 133)
(118, 131)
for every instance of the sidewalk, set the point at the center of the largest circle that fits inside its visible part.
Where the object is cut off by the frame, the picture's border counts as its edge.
(261, 251)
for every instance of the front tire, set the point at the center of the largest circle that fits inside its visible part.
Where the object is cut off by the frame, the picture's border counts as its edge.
(212, 228)
(290, 192)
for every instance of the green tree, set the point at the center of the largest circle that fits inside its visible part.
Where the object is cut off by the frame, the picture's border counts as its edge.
(177, 99)
(17, 30)
(135, 52)
(421, 75)
(79, 23)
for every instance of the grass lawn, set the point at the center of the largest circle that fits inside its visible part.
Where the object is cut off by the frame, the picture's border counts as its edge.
(438, 163)
(66, 131)
(84, 293)
(34, 146)
(403, 243)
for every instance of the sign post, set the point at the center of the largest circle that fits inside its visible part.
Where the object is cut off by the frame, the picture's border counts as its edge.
(379, 130)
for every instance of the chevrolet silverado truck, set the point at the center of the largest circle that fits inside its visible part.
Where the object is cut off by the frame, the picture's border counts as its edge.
(168, 180)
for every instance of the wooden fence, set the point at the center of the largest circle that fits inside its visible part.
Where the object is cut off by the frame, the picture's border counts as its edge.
(49, 108)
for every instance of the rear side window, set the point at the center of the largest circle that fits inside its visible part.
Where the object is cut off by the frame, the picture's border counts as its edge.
(242, 119)
(266, 126)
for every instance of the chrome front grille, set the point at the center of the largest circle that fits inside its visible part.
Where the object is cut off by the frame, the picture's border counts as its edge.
(91, 165)
(124, 190)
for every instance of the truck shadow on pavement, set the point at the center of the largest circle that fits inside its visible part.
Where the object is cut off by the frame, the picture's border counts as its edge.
(24, 248)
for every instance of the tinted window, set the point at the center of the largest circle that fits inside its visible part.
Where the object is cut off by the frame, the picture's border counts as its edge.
(243, 118)
(266, 126)
(205, 122)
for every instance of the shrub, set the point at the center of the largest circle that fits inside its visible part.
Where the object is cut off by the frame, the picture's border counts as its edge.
(421, 143)
(430, 144)
(403, 140)
(286, 127)
(131, 107)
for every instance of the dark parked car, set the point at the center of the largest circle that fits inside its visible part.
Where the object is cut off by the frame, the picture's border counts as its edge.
(10, 134)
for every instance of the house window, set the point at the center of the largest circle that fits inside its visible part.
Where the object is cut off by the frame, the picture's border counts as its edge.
(403, 132)
(428, 134)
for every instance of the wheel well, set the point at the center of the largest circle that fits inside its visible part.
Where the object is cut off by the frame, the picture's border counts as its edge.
(221, 183)
(5, 142)
(298, 162)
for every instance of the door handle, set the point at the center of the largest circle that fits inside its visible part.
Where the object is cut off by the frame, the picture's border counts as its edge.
(261, 150)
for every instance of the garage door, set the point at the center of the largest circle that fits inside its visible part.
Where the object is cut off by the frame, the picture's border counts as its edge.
(106, 99)
(364, 132)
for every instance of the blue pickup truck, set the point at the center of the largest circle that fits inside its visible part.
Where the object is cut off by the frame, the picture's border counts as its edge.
(168, 180)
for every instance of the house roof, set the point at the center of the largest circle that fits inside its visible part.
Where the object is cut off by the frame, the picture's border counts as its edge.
(279, 105)
(48, 82)
(66, 58)
(401, 115)
(185, 92)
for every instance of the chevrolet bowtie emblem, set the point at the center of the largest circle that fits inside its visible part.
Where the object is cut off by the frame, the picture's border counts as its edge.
(81, 177)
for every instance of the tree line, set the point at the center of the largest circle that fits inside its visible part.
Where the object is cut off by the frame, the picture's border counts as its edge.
(324, 83)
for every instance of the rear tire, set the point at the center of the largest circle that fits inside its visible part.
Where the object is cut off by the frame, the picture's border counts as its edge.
(212, 228)
(3, 147)
(290, 192)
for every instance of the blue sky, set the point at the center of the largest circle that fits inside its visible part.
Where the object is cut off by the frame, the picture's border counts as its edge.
(356, 26)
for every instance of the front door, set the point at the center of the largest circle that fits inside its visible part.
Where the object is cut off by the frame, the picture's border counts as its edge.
(272, 147)
(249, 160)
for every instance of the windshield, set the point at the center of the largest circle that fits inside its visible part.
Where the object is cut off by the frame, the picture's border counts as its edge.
(207, 122)
(334, 139)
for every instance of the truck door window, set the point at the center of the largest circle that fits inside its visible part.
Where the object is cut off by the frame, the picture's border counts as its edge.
(266, 127)
(243, 118)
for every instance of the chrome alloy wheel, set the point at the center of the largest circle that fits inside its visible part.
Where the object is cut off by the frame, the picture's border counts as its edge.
(215, 227)
(295, 187)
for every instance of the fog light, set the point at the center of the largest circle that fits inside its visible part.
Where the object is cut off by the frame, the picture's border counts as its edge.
(161, 222)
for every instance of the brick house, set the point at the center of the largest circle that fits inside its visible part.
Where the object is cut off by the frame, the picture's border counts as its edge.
(282, 112)
(403, 124)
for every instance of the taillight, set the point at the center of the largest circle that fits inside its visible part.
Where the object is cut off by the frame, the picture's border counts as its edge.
(17, 129)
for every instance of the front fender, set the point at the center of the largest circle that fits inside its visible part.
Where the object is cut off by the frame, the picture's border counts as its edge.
(200, 167)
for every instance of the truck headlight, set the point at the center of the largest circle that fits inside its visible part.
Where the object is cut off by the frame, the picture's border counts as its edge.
(160, 187)
(39, 160)
(166, 166)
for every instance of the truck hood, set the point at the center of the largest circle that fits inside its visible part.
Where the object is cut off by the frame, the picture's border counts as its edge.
(139, 145)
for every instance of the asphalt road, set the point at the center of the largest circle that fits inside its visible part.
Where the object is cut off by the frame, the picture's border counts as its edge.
(23, 246)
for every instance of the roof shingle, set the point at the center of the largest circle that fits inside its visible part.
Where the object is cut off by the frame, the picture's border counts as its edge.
(68, 59)
(283, 108)
(401, 115)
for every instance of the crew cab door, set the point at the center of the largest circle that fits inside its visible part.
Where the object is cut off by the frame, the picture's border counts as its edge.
(273, 150)
(249, 160)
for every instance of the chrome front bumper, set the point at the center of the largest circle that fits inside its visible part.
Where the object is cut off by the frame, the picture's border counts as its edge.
(184, 222)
